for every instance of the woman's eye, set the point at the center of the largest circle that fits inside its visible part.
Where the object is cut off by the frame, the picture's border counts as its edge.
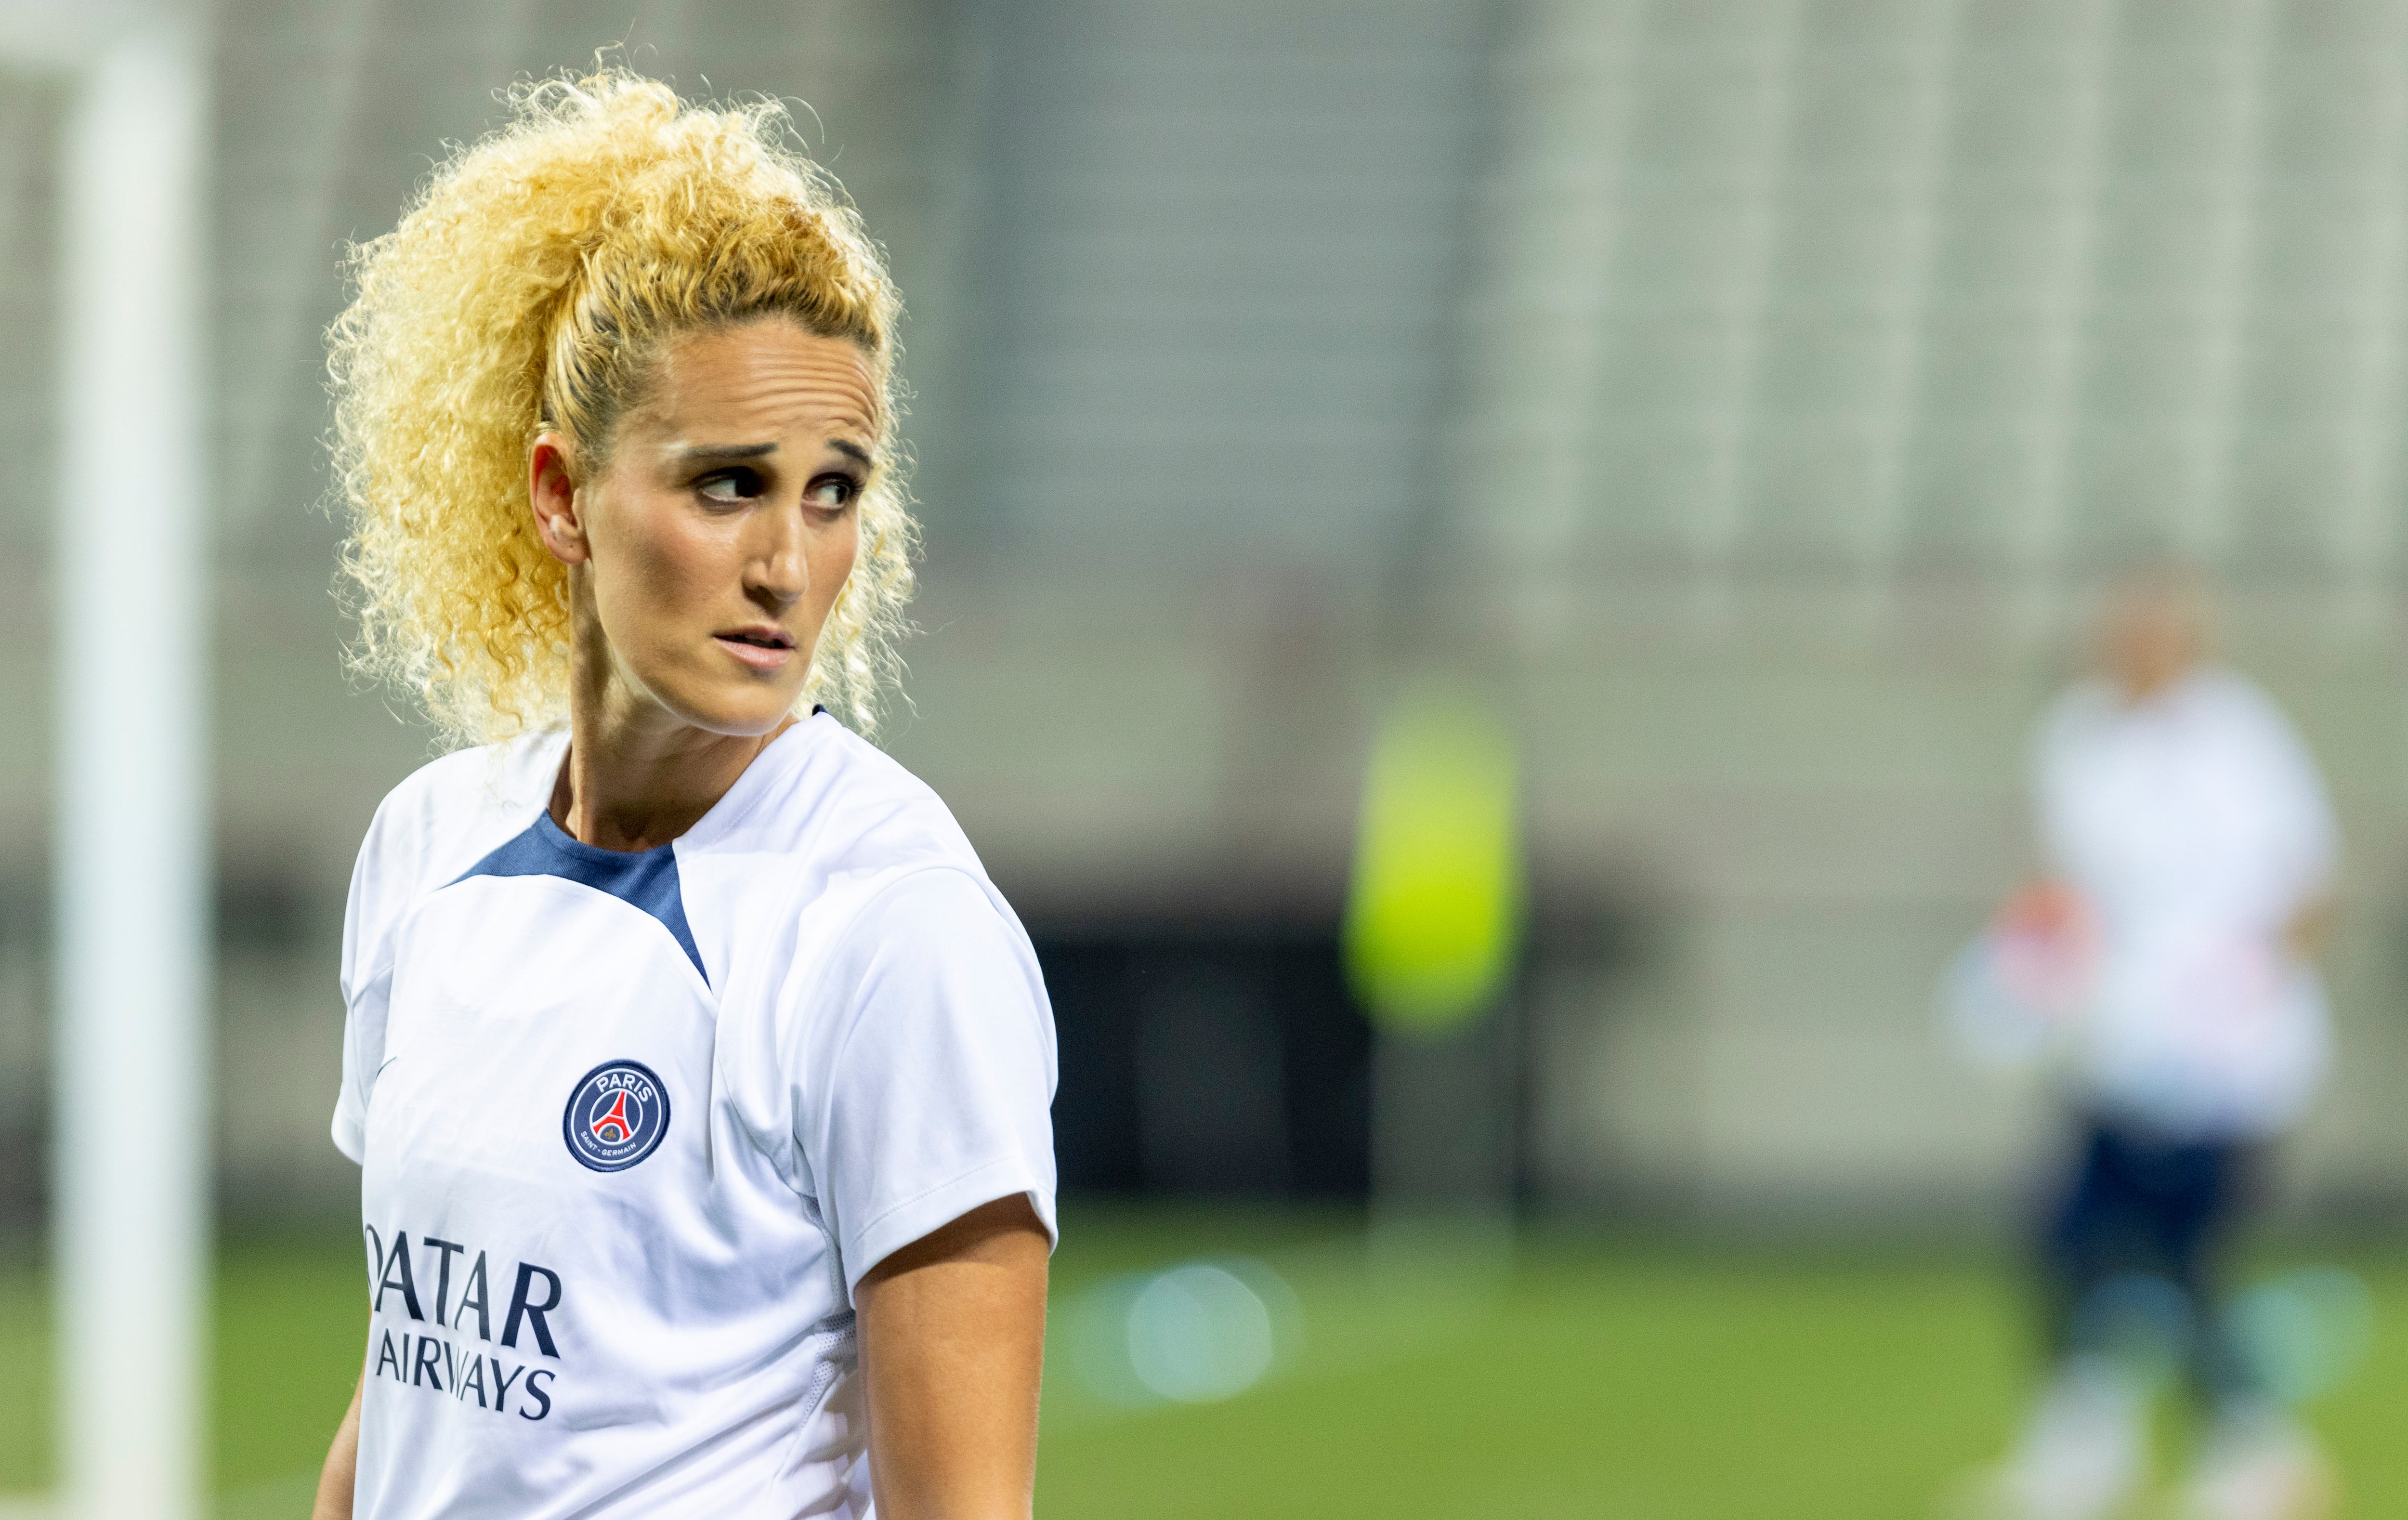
(830, 491)
(731, 486)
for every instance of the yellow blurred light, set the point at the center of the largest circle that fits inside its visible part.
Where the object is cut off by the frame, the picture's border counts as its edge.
(1434, 917)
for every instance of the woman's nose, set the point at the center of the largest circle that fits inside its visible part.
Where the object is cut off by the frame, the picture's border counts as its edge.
(778, 569)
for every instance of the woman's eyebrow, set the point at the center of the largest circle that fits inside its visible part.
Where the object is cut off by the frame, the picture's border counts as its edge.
(699, 453)
(850, 450)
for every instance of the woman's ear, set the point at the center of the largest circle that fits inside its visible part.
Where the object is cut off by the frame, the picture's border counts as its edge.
(552, 495)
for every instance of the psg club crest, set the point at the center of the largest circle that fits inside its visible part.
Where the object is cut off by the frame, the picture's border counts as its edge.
(616, 1115)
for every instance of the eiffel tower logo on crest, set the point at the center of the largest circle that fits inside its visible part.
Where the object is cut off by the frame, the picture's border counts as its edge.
(612, 1126)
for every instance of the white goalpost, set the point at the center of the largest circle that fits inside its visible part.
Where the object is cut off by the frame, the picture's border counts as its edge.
(130, 1193)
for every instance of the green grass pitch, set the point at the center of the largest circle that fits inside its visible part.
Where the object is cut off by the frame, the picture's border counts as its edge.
(1588, 1380)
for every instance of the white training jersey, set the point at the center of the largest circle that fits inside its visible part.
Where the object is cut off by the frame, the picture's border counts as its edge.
(2196, 827)
(631, 1126)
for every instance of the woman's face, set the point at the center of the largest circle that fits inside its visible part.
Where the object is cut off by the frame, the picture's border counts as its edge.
(705, 556)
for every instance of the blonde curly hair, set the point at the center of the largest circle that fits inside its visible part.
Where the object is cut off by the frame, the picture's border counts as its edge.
(529, 287)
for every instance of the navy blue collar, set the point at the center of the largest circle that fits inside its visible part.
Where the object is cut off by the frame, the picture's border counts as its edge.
(642, 878)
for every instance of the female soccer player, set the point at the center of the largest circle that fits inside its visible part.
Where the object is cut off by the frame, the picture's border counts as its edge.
(698, 1075)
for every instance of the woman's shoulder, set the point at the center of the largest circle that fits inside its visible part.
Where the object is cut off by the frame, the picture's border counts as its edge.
(826, 797)
(823, 832)
(452, 807)
(831, 849)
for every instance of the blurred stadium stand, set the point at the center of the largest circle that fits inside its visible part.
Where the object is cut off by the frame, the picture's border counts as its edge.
(1766, 383)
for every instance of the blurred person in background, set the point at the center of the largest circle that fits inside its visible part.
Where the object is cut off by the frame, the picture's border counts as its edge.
(2165, 966)
(697, 1074)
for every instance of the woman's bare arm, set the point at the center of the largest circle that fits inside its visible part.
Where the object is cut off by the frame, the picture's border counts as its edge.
(342, 1464)
(952, 1343)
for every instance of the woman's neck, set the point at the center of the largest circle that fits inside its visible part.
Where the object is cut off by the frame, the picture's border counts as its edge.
(636, 780)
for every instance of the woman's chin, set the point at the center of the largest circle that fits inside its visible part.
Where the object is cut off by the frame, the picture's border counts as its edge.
(739, 713)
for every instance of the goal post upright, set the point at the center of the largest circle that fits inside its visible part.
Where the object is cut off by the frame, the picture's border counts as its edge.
(131, 1173)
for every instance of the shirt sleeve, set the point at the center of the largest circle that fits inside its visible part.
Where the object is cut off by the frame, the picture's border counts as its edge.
(366, 984)
(929, 1090)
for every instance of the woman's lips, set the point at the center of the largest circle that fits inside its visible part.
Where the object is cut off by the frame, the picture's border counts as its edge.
(759, 656)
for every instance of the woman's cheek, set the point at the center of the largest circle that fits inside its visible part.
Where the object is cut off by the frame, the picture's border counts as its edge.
(843, 552)
(645, 588)
(683, 558)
